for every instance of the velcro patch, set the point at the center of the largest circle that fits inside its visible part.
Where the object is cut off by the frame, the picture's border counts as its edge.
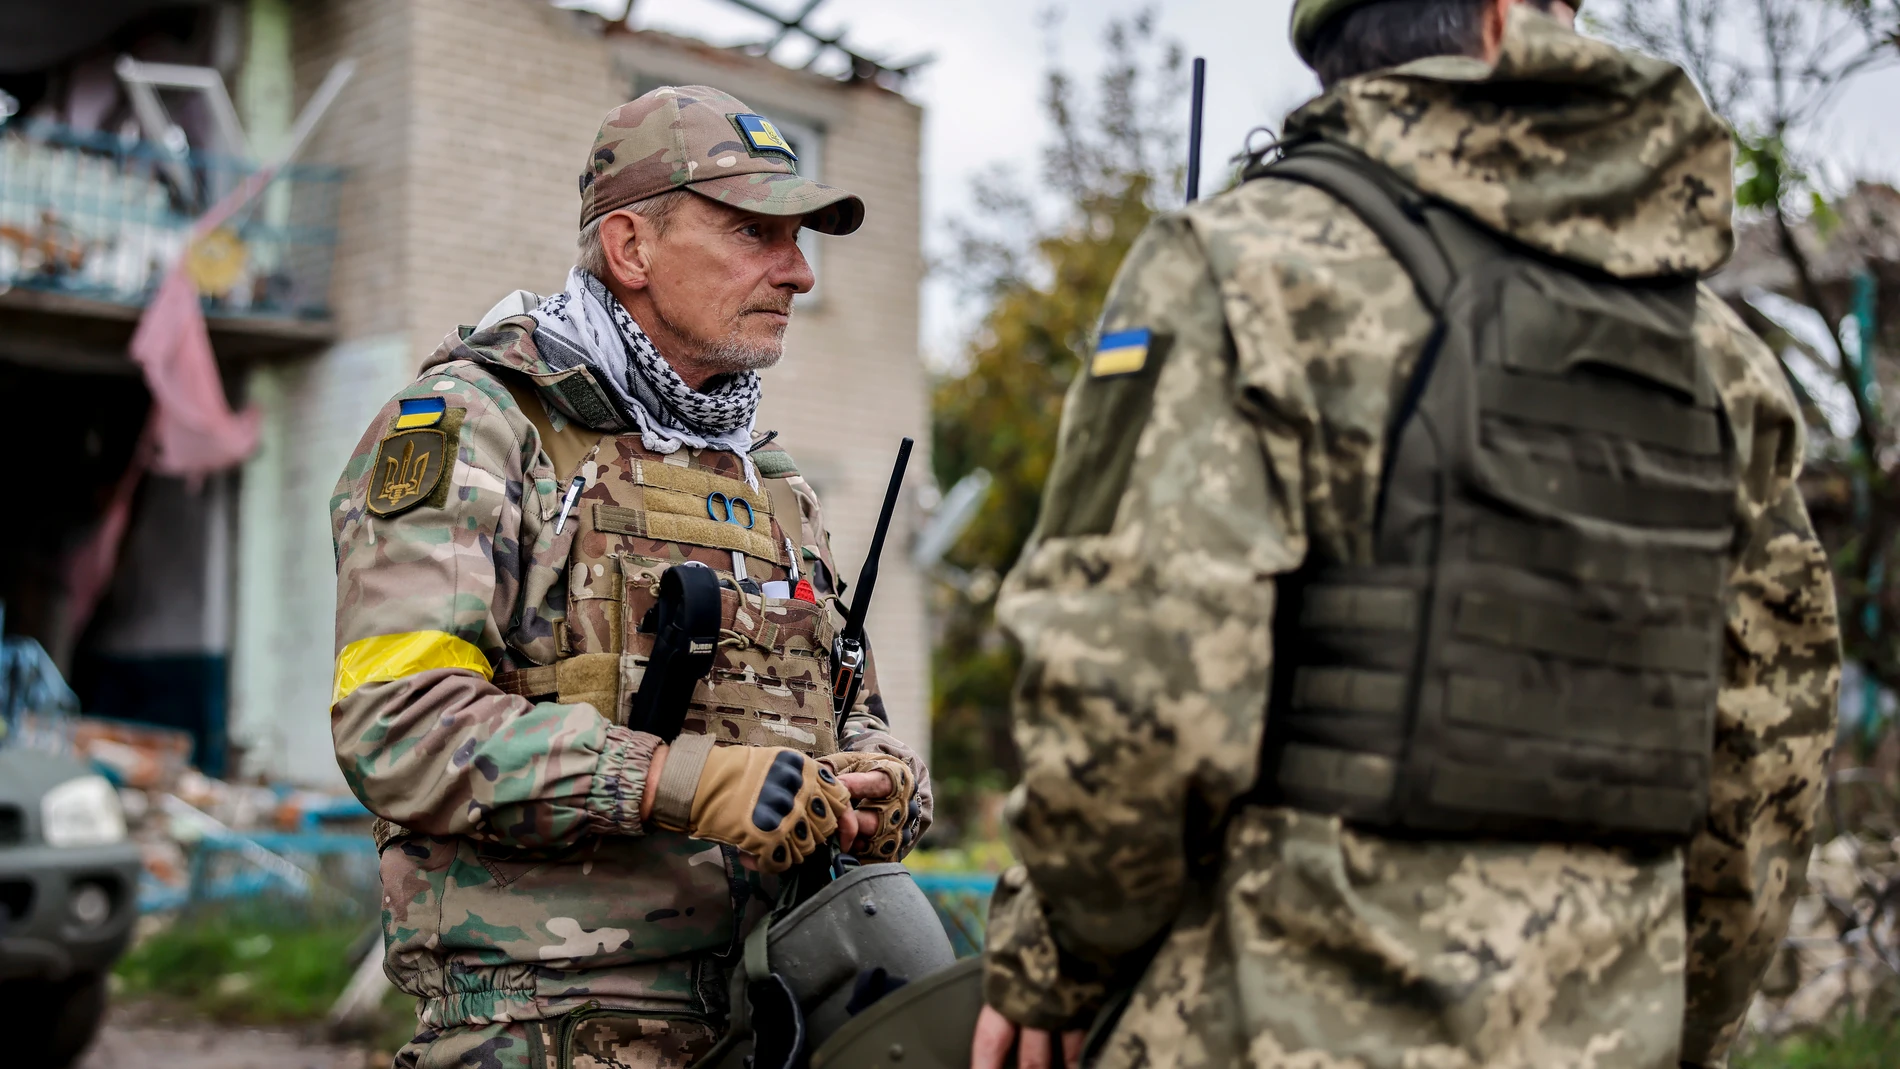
(1121, 353)
(762, 138)
(420, 412)
(408, 466)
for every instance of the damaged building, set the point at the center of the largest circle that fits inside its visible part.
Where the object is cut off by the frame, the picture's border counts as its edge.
(440, 177)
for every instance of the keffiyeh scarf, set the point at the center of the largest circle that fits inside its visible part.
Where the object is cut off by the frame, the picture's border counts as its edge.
(585, 324)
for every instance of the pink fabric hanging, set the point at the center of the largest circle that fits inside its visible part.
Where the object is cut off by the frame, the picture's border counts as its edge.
(194, 428)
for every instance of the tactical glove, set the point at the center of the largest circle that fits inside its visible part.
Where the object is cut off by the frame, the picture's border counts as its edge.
(773, 803)
(898, 813)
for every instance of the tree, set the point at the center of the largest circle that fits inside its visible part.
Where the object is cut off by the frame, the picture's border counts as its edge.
(1042, 261)
(1774, 72)
(1774, 69)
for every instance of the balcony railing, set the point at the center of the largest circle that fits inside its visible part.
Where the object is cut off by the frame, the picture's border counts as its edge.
(95, 216)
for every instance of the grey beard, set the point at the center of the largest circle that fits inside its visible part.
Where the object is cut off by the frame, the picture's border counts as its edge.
(728, 355)
(733, 355)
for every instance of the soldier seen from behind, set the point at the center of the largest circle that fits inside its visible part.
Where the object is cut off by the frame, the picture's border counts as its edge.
(1429, 661)
(562, 889)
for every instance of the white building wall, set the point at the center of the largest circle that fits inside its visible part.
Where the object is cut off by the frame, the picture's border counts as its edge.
(315, 411)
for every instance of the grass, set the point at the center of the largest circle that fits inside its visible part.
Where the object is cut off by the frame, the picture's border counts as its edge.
(262, 963)
(1851, 1043)
(983, 856)
(247, 965)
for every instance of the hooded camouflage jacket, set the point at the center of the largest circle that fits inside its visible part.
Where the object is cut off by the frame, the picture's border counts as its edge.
(1274, 937)
(518, 879)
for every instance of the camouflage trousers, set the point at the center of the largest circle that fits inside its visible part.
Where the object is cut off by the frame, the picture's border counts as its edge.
(581, 1041)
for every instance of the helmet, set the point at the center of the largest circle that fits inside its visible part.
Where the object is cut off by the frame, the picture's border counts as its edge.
(809, 969)
(926, 1024)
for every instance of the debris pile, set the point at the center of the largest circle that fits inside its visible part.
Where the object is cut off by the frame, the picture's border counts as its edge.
(1842, 952)
(206, 838)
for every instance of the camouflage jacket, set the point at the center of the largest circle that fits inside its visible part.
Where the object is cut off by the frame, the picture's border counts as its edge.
(484, 667)
(1270, 936)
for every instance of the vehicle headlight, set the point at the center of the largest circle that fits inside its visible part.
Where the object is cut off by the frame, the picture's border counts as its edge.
(83, 811)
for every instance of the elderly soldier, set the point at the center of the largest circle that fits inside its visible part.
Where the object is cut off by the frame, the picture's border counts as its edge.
(561, 889)
(1429, 660)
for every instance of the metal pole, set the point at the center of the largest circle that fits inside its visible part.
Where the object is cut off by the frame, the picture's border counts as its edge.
(1866, 294)
(1194, 131)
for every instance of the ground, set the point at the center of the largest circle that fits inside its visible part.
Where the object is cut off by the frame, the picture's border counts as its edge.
(139, 1035)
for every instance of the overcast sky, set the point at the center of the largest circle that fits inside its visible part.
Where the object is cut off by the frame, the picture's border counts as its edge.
(980, 94)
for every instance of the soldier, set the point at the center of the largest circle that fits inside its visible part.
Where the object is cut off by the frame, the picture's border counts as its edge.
(1429, 661)
(560, 889)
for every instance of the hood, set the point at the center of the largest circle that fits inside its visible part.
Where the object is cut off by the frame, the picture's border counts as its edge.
(1568, 144)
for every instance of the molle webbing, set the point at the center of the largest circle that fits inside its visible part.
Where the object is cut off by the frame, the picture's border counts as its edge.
(1534, 650)
(1622, 501)
(1546, 801)
(1611, 719)
(1321, 771)
(1582, 406)
(1569, 554)
(1575, 637)
(677, 504)
(1360, 608)
(1349, 690)
(590, 677)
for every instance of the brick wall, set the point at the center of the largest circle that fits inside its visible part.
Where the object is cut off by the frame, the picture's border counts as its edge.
(464, 131)
(508, 94)
(367, 132)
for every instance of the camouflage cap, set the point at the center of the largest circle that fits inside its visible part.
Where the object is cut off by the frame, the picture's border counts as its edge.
(698, 138)
(1310, 16)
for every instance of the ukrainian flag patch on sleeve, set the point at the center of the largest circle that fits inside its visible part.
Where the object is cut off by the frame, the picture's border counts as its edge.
(420, 412)
(1121, 353)
(762, 138)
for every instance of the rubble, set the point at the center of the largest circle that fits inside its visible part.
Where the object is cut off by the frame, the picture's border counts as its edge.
(1842, 952)
(203, 837)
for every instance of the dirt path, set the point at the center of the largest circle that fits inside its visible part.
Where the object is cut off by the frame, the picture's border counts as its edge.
(139, 1037)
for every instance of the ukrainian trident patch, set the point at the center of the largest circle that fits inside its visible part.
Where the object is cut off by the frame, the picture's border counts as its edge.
(408, 466)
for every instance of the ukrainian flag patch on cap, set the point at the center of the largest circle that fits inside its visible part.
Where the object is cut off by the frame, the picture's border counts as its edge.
(420, 412)
(1121, 353)
(762, 137)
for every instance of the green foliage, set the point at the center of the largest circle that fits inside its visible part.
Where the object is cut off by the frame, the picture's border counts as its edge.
(1822, 214)
(988, 855)
(250, 964)
(1044, 274)
(1853, 1043)
(1768, 178)
(1762, 171)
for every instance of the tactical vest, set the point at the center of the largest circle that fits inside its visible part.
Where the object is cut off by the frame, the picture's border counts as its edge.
(643, 512)
(1535, 649)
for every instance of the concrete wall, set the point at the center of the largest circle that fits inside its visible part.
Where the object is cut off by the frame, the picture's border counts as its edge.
(314, 413)
(464, 132)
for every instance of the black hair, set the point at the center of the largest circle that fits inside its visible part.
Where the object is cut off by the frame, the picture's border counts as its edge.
(1391, 33)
